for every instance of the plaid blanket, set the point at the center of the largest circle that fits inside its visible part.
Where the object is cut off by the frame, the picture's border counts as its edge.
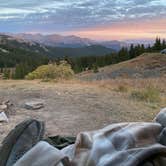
(122, 144)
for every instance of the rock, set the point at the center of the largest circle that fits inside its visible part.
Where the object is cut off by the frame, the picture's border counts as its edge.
(3, 117)
(34, 105)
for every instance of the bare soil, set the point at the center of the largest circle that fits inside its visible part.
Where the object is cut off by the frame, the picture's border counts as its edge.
(71, 107)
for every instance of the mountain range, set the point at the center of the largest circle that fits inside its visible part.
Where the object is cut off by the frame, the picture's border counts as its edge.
(55, 40)
(53, 46)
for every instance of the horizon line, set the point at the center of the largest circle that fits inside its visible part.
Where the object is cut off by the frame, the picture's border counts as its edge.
(84, 37)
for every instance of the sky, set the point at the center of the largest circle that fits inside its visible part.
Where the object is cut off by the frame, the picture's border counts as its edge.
(95, 19)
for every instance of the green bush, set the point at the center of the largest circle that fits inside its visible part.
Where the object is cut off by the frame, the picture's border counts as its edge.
(52, 71)
(149, 94)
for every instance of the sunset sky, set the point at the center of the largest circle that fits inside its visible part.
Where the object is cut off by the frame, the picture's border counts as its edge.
(95, 19)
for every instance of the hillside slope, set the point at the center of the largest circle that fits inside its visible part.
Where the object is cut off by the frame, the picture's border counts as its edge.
(147, 65)
(11, 56)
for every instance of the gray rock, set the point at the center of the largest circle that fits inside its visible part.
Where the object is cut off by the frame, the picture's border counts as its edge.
(3, 117)
(34, 105)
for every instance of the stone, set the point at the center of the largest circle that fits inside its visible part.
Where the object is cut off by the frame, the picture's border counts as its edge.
(3, 117)
(34, 105)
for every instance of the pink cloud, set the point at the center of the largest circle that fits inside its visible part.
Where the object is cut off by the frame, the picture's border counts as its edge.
(142, 29)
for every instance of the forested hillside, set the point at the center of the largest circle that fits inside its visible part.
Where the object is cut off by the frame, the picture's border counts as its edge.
(21, 60)
(24, 57)
(10, 57)
(89, 62)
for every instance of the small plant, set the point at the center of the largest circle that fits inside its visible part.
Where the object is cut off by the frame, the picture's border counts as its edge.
(149, 94)
(95, 68)
(122, 88)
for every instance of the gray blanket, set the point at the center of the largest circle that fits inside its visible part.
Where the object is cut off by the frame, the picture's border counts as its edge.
(122, 144)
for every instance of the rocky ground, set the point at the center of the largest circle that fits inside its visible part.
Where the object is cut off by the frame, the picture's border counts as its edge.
(70, 107)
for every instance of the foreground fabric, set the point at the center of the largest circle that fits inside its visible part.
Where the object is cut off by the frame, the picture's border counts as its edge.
(60, 142)
(123, 144)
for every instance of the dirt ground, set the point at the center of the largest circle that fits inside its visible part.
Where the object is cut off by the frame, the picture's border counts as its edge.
(70, 107)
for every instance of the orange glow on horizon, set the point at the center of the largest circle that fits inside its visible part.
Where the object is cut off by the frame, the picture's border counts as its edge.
(147, 29)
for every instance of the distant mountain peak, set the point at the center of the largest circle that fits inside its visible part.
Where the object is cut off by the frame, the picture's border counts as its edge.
(61, 49)
(70, 41)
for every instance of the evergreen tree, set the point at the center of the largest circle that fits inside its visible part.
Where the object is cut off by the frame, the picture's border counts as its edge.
(157, 46)
(163, 44)
(123, 54)
(21, 70)
(142, 50)
(149, 49)
(131, 51)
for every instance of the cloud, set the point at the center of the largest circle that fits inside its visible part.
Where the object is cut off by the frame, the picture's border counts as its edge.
(147, 29)
(66, 15)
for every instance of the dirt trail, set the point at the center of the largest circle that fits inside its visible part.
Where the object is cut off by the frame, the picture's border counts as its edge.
(70, 108)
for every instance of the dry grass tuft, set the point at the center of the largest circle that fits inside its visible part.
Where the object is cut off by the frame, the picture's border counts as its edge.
(122, 88)
(149, 94)
(133, 84)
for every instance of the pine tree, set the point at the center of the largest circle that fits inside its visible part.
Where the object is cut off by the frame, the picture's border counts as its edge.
(123, 54)
(149, 49)
(132, 51)
(163, 44)
(21, 70)
(142, 49)
(157, 45)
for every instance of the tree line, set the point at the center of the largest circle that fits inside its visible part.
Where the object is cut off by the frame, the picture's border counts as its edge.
(80, 64)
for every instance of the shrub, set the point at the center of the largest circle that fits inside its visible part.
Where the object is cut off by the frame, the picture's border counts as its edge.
(95, 68)
(52, 71)
(122, 88)
(149, 94)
